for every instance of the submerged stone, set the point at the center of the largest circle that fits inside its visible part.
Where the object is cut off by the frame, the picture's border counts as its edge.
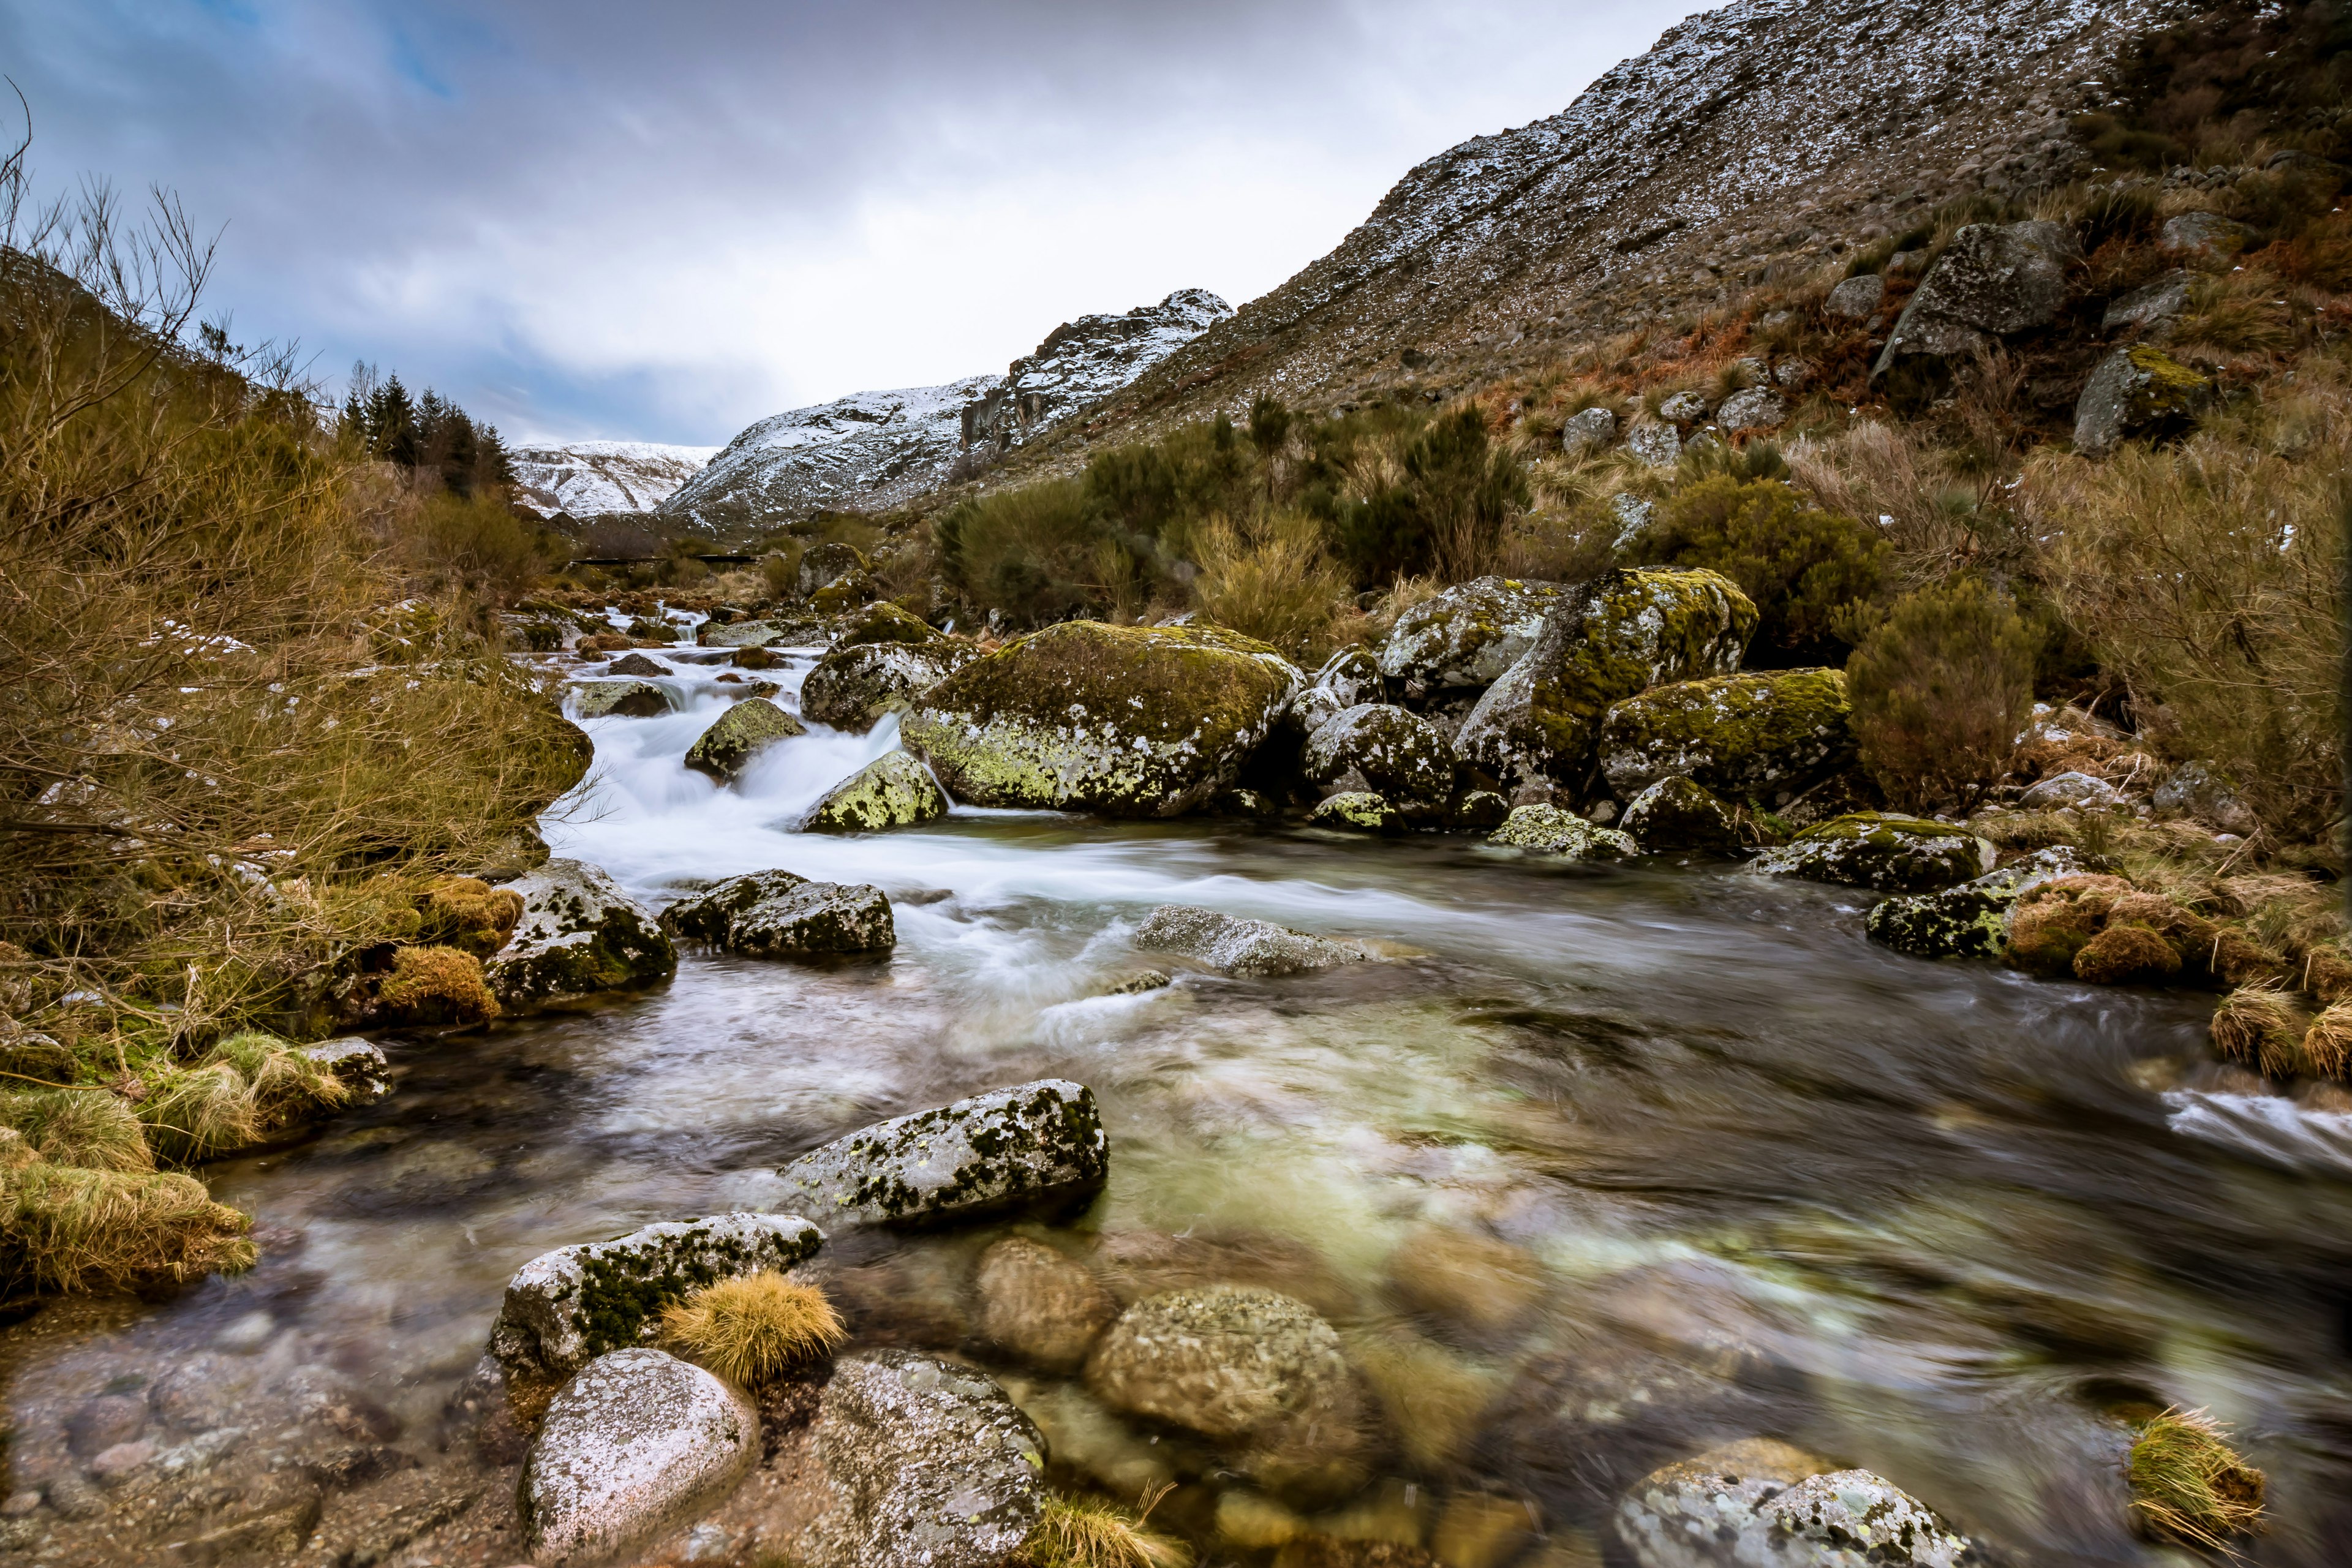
(1739, 1509)
(578, 935)
(893, 791)
(566, 1307)
(1971, 920)
(1235, 945)
(1045, 1307)
(1541, 829)
(1036, 1145)
(740, 734)
(1757, 733)
(775, 914)
(1873, 849)
(1469, 634)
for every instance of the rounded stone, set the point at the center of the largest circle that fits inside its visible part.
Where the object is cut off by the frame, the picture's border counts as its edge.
(578, 935)
(1041, 1305)
(740, 734)
(851, 689)
(892, 791)
(1541, 829)
(1383, 749)
(1466, 635)
(628, 698)
(1680, 813)
(1738, 1507)
(1357, 810)
(1891, 854)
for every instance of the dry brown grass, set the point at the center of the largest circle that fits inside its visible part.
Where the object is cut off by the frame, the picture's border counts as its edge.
(89, 1128)
(2189, 1484)
(71, 1229)
(2326, 1047)
(2261, 1025)
(436, 985)
(1084, 1533)
(753, 1328)
(1273, 581)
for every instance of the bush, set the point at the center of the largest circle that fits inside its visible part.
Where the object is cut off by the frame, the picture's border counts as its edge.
(1278, 587)
(477, 545)
(1446, 511)
(1803, 567)
(1939, 691)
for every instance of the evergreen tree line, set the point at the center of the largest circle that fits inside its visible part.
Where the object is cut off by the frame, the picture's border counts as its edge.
(426, 433)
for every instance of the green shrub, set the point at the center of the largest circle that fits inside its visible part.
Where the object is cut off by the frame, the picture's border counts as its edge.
(1803, 567)
(1446, 512)
(1939, 691)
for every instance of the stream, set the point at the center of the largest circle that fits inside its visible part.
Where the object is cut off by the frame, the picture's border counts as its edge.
(1593, 1168)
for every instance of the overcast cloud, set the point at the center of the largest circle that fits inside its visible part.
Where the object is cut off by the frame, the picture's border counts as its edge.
(582, 218)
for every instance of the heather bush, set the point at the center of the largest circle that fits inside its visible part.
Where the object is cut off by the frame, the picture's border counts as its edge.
(1801, 565)
(1939, 691)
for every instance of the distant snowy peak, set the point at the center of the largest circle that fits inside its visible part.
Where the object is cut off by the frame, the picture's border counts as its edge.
(873, 450)
(595, 478)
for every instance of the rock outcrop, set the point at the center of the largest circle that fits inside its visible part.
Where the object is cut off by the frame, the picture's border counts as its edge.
(893, 791)
(578, 935)
(852, 688)
(1083, 360)
(1992, 280)
(1086, 716)
(775, 914)
(583, 480)
(1036, 1145)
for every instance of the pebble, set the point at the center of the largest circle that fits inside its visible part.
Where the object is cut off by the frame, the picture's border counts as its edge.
(19, 1504)
(118, 1463)
(248, 1334)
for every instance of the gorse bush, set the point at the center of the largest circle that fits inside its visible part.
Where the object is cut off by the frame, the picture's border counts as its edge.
(1803, 566)
(1939, 690)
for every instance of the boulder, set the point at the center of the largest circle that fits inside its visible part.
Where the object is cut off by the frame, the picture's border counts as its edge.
(1470, 634)
(1479, 811)
(1256, 1372)
(2072, 788)
(565, 1308)
(1970, 919)
(1385, 750)
(1587, 430)
(1125, 720)
(1678, 813)
(852, 688)
(825, 564)
(1758, 734)
(1740, 1509)
(1858, 297)
(883, 622)
(628, 698)
(1042, 1306)
(794, 631)
(844, 593)
(637, 1442)
(1035, 1145)
(2148, 306)
(1684, 407)
(1349, 677)
(2194, 789)
(2204, 236)
(1232, 946)
(924, 1462)
(1542, 829)
(1757, 408)
(1992, 280)
(727, 748)
(1655, 443)
(578, 935)
(1624, 634)
(1357, 810)
(893, 791)
(775, 914)
(635, 664)
(2135, 389)
(1891, 854)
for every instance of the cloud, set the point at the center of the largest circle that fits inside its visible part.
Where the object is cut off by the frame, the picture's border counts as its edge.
(592, 219)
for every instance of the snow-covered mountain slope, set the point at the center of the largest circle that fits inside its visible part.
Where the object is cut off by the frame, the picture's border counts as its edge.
(872, 450)
(593, 478)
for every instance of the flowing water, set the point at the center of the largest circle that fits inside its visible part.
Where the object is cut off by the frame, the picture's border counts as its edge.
(1593, 1168)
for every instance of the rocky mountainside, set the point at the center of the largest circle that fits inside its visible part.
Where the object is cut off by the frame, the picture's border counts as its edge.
(877, 449)
(582, 480)
(1760, 139)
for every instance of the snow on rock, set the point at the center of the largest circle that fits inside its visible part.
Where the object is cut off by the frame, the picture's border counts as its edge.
(1084, 360)
(597, 478)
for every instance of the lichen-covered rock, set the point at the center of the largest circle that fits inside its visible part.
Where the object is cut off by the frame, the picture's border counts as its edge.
(1632, 630)
(895, 790)
(1469, 634)
(630, 698)
(2195, 789)
(1542, 829)
(775, 914)
(1357, 810)
(826, 563)
(1992, 279)
(565, 1308)
(630, 1446)
(1045, 1307)
(1857, 297)
(2204, 235)
(578, 935)
(1233, 946)
(1349, 677)
(1683, 407)
(1728, 1511)
(2136, 388)
(1125, 720)
(1479, 811)
(1385, 750)
(883, 622)
(1255, 1372)
(1757, 733)
(1656, 443)
(1757, 408)
(796, 631)
(927, 1464)
(358, 1065)
(2072, 788)
(1678, 812)
(852, 688)
(1873, 849)
(1586, 430)
(1970, 919)
(637, 664)
(2150, 305)
(1035, 1145)
(740, 734)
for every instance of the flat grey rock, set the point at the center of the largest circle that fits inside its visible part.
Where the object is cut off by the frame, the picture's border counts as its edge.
(1035, 1143)
(1234, 945)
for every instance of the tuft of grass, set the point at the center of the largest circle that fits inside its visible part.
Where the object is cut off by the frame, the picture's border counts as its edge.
(2123, 954)
(436, 985)
(2187, 1483)
(201, 1113)
(88, 1128)
(2326, 1047)
(2259, 1024)
(1084, 1533)
(753, 1329)
(63, 1228)
(1279, 586)
(286, 1087)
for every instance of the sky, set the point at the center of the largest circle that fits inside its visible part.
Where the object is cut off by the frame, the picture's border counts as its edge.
(584, 219)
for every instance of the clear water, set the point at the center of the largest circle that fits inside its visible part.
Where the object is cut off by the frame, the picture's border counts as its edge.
(1747, 1173)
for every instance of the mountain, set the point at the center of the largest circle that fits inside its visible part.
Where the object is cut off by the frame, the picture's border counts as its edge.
(872, 450)
(1770, 134)
(582, 480)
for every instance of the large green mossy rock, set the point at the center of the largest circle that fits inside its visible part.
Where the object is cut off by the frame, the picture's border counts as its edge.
(1759, 735)
(740, 734)
(1470, 634)
(579, 936)
(1971, 920)
(883, 622)
(893, 791)
(853, 687)
(1125, 720)
(1873, 849)
(1381, 749)
(1630, 631)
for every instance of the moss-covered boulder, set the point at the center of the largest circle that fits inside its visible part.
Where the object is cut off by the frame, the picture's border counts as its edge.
(1380, 749)
(1125, 720)
(1470, 634)
(1632, 630)
(1034, 1146)
(1549, 830)
(565, 1308)
(1757, 735)
(775, 914)
(883, 622)
(852, 688)
(2134, 389)
(579, 936)
(1874, 850)
(826, 563)
(629, 698)
(1357, 810)
(892, 791)
(1679, 813)
(1971, 920)
(1348, 677)
(740, 734)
